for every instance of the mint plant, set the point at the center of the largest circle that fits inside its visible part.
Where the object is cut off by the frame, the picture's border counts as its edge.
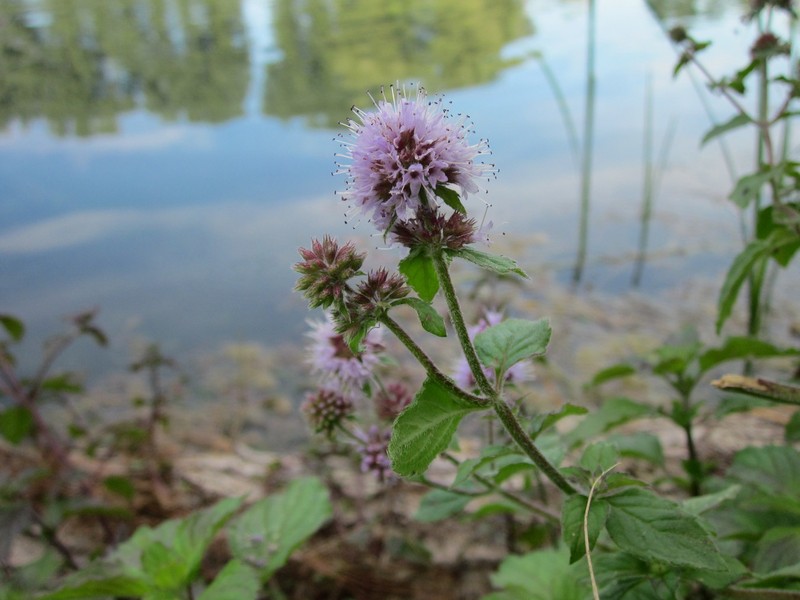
(410, 169)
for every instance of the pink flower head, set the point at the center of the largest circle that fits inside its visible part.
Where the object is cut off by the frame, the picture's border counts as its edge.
(462, 374)
(332, 358)
(326, 408)
(400, 153)
(373, 447)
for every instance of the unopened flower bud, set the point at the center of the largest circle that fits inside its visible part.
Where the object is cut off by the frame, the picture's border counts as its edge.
(325, 409)
(325, 270)
(391, 401)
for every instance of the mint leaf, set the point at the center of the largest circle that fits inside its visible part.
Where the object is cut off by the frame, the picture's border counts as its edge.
(512, 341)
(420, 274)
(425, 428)
(271, 529)
(498, 264)
(431, 321)
(656, 529)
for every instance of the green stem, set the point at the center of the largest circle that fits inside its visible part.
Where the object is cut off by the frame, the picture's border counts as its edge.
(505, 414)
(588, 144)
(528, 446)
(535, 508)
(430, 368)
(457, 316)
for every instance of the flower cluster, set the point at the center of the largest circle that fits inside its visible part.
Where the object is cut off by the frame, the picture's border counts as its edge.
(325, 269)
(373, 449)
(462, 374)
(332, 358)
(404, 154)
(390, 401)
(326, 408)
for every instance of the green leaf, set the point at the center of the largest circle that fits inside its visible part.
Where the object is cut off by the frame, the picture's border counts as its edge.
(165, 569)
(700, 504)
(736, 348)
(489, 454)
(65, 382)
(599, 457)
(622, 576)
(450, 197)
(737, 273)
(420, 273)
(511, 341)
(610, 373)
(16, 423)
(498, 264)
(120, 485)
(641, 445)
(440, 504)
(268, 532)
(748, 188)
(112, 585)
(236, 581)
(431, 321)
(738, 121)
(613, 412)
(13, 326)
(656, 529)
(424, 429)
(572, 524)
(778, 548)
(187, 539)
(545, 421)
(542, 575)
(792, 431)
(773, 469)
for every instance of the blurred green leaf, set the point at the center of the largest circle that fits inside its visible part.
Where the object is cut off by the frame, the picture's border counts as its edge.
(120, 485)
(739, 270)
(544, 421)
(773, 469)
(737, 121)
(736, 348)
(613, 413)
(13, 326)
(541, 575)
(269, 531)
(613, 372)
(641, 444)
(572, 524)
(236, 581)
(16, 423)
(656, 529)
(437, 505)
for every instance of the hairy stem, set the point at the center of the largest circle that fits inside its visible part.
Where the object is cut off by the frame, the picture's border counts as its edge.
(528, 446)
(457, 316)
(506, 415)
(430, 368)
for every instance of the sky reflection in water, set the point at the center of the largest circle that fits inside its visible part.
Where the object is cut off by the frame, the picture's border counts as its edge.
(175, 197)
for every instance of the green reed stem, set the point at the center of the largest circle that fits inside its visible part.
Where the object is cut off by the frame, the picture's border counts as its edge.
(588, 135)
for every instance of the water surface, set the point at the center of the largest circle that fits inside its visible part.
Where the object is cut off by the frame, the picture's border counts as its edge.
(163, 159)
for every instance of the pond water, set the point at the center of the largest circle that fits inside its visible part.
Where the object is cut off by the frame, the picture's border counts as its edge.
(163, 159)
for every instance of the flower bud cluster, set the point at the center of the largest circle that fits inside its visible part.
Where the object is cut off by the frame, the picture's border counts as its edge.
(326, 408)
